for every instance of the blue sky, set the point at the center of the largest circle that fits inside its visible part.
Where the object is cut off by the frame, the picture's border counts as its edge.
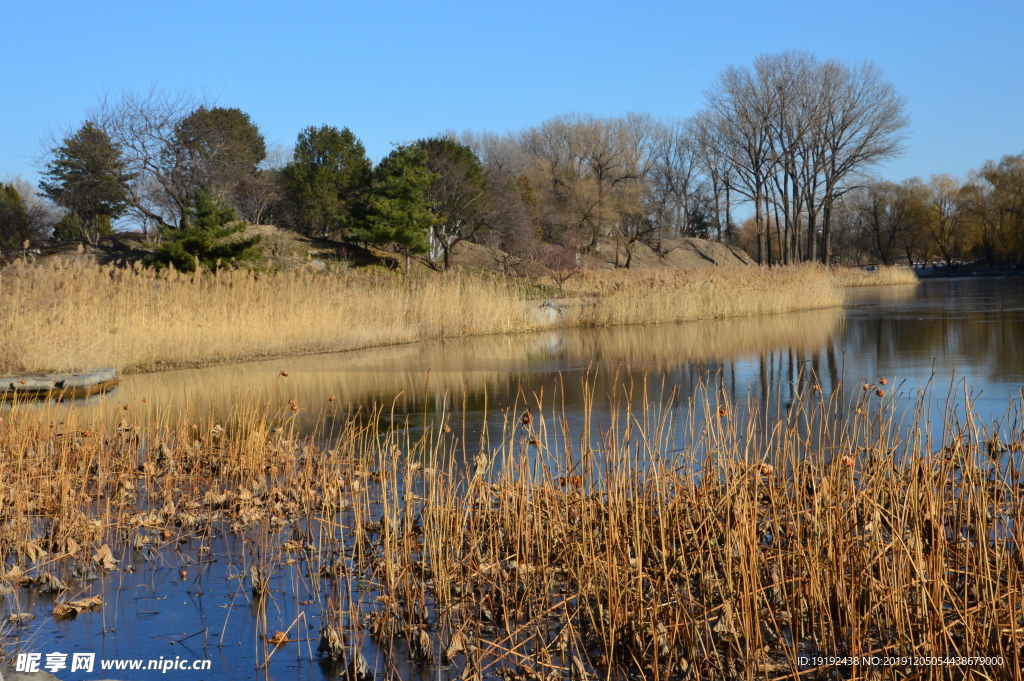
(396, 71)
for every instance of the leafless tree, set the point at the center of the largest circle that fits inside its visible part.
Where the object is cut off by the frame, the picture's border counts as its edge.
(863, 122)
(561, 262)
(887, 214)
(799, 133)
(143, 124)
(716, 168)
(258, 193)
(742, 108)
(948, 217)
(678, 188)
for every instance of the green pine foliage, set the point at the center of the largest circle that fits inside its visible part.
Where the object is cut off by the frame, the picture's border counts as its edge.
(88, 176)
(14, 225)
(400, 214)
(328, 181)
(73, 227)
(219, 147)
(206, 241)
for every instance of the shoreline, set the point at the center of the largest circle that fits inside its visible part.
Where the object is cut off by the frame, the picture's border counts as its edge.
(141, 322)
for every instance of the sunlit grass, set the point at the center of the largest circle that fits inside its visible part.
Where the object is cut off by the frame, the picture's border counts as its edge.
(72, 316)
(879, 276)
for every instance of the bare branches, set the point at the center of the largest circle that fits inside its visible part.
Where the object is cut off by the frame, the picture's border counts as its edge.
(143, 124)
(797, 133)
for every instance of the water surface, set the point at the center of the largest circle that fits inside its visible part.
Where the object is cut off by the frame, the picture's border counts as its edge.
(956, 335)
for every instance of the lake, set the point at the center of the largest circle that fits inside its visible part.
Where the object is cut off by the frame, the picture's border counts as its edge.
(960, 336)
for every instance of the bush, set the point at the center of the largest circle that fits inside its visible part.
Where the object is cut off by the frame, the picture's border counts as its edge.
(206, 241)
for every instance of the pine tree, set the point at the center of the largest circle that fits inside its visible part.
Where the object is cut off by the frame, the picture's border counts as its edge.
(87, 175)
(206, 241)
(219, 148)
(328, 181)
(14, 225)
(400, 212)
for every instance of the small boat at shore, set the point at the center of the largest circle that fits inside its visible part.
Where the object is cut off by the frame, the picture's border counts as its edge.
(42, 385)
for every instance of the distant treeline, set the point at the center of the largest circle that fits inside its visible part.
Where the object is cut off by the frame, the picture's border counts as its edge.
(790, 141)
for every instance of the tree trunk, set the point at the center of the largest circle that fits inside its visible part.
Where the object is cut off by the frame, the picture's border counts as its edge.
(759, 226)
(826, 230)
(812, 236)
(728, 214)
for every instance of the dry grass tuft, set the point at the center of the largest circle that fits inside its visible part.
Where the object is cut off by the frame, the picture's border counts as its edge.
(616, 297)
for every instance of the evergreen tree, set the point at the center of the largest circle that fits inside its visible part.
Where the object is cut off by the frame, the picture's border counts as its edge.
(457, 195)
(14, 224)
(206, 239)
(328, 181)
(400, 213)
(87, 176)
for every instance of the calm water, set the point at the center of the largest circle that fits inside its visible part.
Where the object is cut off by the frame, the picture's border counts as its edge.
(955, 334)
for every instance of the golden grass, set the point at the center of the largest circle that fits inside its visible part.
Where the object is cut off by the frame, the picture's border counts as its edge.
(644, 545)
(75, 316)
(616, 297)
(880, 276)
(64, 317)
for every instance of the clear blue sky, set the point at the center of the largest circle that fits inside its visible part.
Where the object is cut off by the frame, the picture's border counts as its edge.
(394, 71)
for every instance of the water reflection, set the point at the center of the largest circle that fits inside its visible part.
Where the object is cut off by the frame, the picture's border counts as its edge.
(940, 331)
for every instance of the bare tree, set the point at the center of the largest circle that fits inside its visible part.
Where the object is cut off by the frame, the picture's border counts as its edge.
(798, 133)
(862, 123)
(715, 166)
(948, 222)
(260, 192)
(678, 189)
(562, 263)
(742, 109)
(176, 143)
(886, 214)
(144, 124)
(592, 177)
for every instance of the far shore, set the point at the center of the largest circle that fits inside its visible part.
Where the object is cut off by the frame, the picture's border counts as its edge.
(64, 317)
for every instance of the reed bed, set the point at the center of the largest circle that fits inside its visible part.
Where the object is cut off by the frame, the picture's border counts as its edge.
(611, 298)
(886, 275)
(74, 316)
(651, 543)
(61, 317)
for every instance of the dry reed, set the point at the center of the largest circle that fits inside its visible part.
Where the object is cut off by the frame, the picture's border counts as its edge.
(616, 297)
(653, 546)
(63, 317)
(72, 316)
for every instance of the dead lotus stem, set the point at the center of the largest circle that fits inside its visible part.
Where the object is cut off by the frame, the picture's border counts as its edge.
(697, 546)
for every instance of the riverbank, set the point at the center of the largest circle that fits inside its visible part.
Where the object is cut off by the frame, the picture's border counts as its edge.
(76, 316)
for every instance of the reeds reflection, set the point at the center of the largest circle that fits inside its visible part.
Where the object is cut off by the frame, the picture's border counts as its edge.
(417, 377)
(938, 332)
